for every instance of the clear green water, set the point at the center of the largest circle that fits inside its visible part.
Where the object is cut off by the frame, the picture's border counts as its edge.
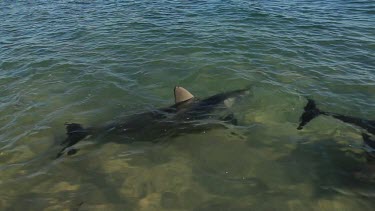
(75, 61)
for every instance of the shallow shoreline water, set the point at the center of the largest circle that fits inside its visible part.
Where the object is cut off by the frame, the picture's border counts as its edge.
(74, 61)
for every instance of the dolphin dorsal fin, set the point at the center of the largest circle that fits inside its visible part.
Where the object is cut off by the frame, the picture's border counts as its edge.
(181, 94)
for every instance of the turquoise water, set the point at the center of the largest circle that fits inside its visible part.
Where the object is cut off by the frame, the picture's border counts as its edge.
(95, 61)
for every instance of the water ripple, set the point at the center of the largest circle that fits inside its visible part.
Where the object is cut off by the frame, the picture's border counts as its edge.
(91, 62)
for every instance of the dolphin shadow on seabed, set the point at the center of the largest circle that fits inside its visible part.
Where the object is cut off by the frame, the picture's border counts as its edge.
(368, 134)
(188, 114)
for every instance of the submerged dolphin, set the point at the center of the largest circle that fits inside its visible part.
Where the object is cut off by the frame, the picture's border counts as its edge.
(185, 115)
(367, 172)
(311, 111)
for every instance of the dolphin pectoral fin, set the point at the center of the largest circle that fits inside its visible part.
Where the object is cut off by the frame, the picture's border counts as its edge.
(310, 112)
(181, 94)
(230, 118)
(69, 152)
(72, 151)
(367, 140)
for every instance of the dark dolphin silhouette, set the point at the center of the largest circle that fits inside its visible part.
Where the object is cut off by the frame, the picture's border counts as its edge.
(188, 114)
(311, 112)
(367, 172)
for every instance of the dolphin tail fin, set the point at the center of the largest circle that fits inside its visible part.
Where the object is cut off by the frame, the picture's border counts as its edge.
(75, 133)
(310, 112)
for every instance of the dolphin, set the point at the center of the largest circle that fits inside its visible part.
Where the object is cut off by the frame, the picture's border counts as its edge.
(311, 111)
(187, 114)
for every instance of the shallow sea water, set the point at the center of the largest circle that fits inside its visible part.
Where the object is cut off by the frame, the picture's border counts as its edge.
(95, 61)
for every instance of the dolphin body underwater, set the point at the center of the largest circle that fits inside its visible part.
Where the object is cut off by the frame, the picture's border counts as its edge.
(188, 114)
(311, 112)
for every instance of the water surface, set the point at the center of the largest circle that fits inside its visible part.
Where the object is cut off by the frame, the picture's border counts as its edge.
(92, 62)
